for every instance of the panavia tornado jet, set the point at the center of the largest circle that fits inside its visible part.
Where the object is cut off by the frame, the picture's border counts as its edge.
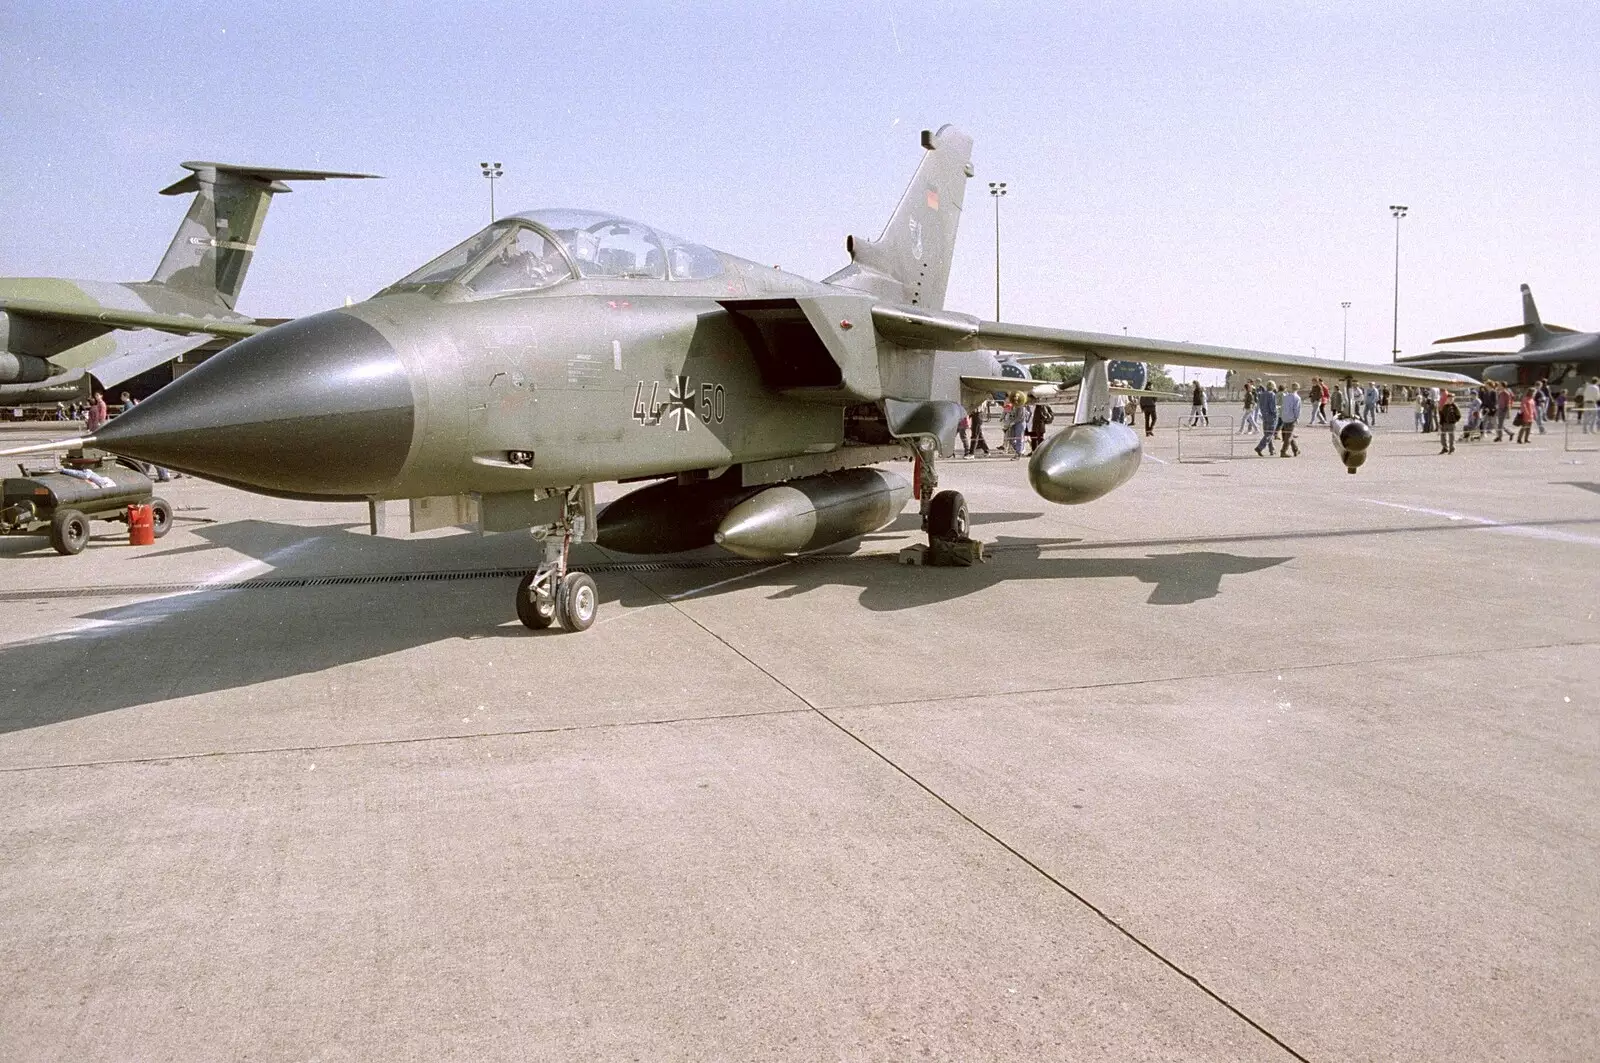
(60, 338)
(1558, 355)
(560, 348)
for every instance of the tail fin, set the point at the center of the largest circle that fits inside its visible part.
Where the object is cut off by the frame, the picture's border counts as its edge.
(1534, 329)
(1531, 325)
(212, 249)
(910, 262)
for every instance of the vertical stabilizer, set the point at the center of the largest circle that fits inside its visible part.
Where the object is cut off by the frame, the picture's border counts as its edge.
(1532, 326)
(910, 262)
(215, 241)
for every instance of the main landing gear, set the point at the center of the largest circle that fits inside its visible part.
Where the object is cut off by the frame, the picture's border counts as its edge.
(944, 518)
(553, 593)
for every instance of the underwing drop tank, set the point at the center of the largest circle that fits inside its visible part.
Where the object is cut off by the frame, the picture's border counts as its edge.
(669, 518)
(1084, 461)
(813, 512)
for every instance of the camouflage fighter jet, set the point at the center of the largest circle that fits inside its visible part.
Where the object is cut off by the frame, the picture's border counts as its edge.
(1553, 353)
(560, 348)
(61, 338)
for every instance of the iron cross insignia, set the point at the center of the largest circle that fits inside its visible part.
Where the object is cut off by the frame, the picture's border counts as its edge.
(680, 403)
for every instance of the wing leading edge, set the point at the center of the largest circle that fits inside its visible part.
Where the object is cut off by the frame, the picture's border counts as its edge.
(946, 331)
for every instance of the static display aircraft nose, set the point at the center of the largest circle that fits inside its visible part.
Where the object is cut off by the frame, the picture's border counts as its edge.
(320, 407)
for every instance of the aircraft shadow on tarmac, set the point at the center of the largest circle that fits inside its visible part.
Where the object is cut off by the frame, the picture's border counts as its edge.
(237, 635)
(1175, 579)
(1582, 485)
(210, 640)
(910, 522)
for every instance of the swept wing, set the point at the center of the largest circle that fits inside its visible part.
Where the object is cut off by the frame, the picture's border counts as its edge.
(942, 330)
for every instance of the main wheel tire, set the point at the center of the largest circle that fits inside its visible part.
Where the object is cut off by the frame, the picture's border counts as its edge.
(535, 613)
(947, 516)
(69, 531)
(577, 602)
(160, 516)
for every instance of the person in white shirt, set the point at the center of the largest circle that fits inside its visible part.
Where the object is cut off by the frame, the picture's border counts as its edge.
(1288, 414)
(1591, 405)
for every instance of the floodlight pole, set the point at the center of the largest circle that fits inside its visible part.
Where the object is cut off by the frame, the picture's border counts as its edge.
(1345, 355)
(997, 189)
(1398, 212)
(493, 171)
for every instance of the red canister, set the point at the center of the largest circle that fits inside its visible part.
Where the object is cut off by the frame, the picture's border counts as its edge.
(141, 525)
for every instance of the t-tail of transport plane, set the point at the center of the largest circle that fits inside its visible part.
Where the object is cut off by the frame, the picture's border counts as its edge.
(1535, 332)
(211, 252)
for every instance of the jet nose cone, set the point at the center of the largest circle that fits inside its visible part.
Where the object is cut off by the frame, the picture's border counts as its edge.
(320, 407)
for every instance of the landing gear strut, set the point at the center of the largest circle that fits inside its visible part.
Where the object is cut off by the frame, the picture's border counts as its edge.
(944, 518)
(552, 592)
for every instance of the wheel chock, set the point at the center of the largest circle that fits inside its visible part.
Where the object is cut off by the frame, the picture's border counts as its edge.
(954, 553)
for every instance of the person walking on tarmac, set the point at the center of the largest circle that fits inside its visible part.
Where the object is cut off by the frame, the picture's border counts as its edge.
(1042, 416)
(976, 441)
(1288, 414)
(1449, 414)
(98, 414)
(1200, 412)
(1147, 406)
(1525, 415)
(1017, 426)
(1267, 407)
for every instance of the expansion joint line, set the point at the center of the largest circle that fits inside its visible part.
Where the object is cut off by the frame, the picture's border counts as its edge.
(1099, 912)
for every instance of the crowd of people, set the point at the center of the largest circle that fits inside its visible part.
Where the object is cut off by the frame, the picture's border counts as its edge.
(1529, 409)
(1021, 417)
(1275, 411)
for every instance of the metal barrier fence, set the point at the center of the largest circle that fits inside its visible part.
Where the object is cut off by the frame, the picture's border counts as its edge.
(1206, 442)
(1583, 433)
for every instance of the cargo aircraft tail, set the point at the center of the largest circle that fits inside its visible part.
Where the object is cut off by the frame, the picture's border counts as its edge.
(215, 241)
(1537, 333)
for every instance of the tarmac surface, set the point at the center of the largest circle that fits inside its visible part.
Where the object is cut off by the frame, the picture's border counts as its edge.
(1250, 760)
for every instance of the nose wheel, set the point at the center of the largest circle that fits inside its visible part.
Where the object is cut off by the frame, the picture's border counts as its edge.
(577, 602)
(545, 598)
(552, 593)
(536, 600)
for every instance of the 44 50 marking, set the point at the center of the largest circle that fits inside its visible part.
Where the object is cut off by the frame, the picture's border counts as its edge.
(681, 405)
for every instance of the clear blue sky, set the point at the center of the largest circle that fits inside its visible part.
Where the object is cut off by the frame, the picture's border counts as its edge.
(1216, 172)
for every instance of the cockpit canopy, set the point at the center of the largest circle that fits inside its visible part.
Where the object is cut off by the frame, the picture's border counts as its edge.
(541, 248)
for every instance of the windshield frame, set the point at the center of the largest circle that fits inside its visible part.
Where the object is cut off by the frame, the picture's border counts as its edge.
(463, 276)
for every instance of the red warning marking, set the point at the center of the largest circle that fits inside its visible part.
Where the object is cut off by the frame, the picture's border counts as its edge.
(933, 199)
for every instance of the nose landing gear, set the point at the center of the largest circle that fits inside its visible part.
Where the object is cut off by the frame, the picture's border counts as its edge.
(552, 593)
